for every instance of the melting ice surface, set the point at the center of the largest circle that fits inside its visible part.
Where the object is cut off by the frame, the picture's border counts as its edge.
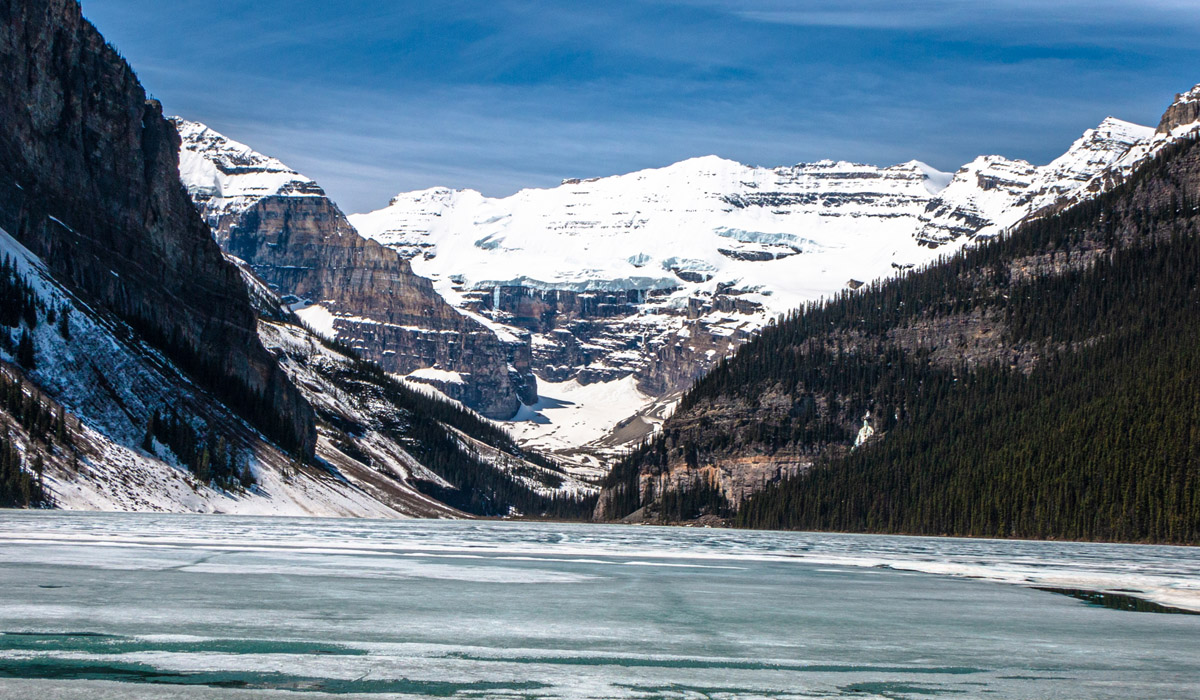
(155, 606)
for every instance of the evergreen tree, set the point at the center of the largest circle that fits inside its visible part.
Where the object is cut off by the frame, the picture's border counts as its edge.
(25, 352)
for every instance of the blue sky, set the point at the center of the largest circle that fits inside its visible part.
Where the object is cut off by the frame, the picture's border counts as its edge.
(375, 97)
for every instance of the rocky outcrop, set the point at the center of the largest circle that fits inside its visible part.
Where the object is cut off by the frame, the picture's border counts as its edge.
(602, 336)
(823, 384)
(297, 240)
(1183, 112)
(89, 182)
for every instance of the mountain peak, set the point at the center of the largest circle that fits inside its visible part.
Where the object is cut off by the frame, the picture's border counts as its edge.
(701, 164)
(1112, 125)
(213, 164)
(935, 180)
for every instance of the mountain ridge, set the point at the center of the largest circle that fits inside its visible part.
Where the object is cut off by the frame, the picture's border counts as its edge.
(68, 156)
(143, 369)
(284, 226)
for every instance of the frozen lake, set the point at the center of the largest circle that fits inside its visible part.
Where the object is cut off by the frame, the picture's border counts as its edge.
(165, 606)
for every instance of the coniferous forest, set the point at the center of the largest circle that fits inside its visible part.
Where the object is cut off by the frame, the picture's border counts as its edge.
(1080, 419)
(477, 487)
(47, 432)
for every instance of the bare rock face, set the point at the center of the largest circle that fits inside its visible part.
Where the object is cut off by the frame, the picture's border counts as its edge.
(660, 274)
(297, 240)
(604, 335)
(89, 182)
(1185, 111)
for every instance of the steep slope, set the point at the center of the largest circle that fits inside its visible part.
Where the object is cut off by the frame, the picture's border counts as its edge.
(78, 407)
(89, 184)
(91, 417)
(991, 194)
(295, 238)
(1042, 384)
(659, 274)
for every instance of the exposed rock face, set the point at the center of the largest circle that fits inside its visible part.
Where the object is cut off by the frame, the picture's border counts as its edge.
(89, 182)
(656, 274)
(297, 240)
(759, 426)
(1184, 112)
(597, 336)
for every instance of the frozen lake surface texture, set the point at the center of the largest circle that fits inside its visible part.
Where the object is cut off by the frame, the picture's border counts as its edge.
(170, 606)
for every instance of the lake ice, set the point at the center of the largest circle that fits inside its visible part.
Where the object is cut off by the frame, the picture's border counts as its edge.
(161, 606)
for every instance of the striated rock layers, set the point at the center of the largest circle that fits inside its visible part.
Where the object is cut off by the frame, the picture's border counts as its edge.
(297, 240)
(823, 383)
(89, 182)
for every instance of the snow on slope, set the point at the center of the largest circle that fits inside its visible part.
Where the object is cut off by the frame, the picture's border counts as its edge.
(1181, 120)
(232, 174)
(659, 273)
(825, 221)
(577, 413)
(112, 386)
(992, 193)
(821, 223)
(366, 417)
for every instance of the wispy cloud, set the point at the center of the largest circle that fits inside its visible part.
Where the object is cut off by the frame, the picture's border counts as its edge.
(927, 14)
(372, 97)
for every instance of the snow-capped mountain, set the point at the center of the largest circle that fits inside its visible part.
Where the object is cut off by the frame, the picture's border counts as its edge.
(295, 238)
(143, 369)
(1182, 119)
(657, 274)
(108, 384)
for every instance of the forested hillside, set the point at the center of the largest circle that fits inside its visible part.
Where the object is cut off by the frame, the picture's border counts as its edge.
(1045, 384)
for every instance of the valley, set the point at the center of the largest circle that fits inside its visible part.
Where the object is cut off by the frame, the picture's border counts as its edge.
(200, 327)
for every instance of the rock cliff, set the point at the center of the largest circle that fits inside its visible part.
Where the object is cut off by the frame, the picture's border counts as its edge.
(841, 376)
(89, 183)
(1183, 113)
(297, 240)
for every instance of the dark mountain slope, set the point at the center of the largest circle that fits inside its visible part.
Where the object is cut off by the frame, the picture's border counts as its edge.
(417, 452)
(89, 183)
(126, 337)
(1042, 385)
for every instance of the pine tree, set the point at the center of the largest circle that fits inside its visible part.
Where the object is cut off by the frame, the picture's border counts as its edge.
(25, 352)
